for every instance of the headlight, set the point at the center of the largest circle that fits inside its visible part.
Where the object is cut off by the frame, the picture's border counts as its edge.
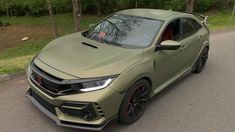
(92, 85)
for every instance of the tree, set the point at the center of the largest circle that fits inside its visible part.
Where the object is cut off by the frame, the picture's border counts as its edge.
(80, 7)
(136, 3)
(190, 5)
(5, 5)
(54, 27)
(76, 15)
(99, 6)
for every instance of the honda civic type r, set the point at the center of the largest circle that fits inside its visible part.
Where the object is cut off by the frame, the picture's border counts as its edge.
(86, 79)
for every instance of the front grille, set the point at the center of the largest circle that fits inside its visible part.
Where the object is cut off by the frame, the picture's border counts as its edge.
(44, 103)
(49, 84)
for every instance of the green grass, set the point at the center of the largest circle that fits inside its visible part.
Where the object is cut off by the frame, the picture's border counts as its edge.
(64, 22)
(15, 59)
(221, 20)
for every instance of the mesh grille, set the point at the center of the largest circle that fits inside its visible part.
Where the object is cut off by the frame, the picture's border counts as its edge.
(48, 83)
(44, 103)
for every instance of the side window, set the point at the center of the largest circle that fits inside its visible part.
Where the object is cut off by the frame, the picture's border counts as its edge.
(172, 31)
(187, 28)
(195, 24)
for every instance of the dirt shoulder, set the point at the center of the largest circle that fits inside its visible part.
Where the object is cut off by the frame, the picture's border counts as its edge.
(11, 36)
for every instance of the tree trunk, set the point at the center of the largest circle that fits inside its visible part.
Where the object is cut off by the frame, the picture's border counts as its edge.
(76, 15)
(7, 9)
(190, 5)
(136, 3)
(99, 6)
(80, 7)
(54, 27)
(11, 14)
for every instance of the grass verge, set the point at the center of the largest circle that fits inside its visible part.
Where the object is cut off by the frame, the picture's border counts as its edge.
(16, 58)
(221, 20)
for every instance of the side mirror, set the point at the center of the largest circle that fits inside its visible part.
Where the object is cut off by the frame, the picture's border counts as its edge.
(169, 45)
(91, 25)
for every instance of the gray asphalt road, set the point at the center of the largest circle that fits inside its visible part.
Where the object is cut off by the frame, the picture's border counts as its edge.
(198, 103)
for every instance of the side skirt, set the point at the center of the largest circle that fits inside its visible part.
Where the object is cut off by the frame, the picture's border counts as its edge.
(164, 85)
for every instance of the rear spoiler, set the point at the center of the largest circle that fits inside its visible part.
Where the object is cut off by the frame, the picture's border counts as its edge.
(202, 18)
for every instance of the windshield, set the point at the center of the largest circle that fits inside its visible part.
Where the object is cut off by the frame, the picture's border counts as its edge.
(125, 30)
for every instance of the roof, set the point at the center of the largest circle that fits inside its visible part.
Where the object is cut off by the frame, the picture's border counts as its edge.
(150, 13)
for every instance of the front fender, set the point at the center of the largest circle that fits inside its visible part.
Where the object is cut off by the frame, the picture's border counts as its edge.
(127, 78)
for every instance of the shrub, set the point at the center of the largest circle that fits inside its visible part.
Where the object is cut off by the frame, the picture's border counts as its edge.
(6, 24)
(203, 5)
(1, 23)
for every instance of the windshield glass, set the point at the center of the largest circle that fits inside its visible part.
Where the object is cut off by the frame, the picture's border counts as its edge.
(125, 30)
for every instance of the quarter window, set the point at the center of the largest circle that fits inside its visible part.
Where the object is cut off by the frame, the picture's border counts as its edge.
(187, 27)
(195, 24)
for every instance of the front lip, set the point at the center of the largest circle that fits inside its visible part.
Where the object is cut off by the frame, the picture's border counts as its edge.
(71, 125)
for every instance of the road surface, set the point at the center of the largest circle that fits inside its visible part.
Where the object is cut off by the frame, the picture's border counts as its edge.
(198, 103)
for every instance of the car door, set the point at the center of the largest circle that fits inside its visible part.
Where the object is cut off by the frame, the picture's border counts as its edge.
(192, 39)
(169, 62)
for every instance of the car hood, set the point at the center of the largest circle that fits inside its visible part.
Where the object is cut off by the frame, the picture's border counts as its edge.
(71, 56)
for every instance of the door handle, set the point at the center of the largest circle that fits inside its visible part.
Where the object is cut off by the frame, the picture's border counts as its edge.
(202, 36)
(183, 47)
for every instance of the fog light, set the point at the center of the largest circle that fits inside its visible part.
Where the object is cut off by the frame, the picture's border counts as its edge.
(84, 111)
(87, 116)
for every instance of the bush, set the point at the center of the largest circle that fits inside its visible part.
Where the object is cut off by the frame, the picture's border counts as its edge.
(1, 23)
(203, 5)
(39, 7)
(5, 24)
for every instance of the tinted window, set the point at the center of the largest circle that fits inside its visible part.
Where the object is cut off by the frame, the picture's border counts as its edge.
(187, 27)
(172, 31)
(125, 30)
(195, 24)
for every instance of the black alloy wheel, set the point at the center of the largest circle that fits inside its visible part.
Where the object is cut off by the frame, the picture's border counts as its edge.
(202, 60)
(135, 102)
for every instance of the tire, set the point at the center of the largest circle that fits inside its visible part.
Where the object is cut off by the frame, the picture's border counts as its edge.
(135, 102)
(201, 62)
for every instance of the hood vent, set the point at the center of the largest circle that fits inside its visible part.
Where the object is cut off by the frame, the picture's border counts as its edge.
(84, 43)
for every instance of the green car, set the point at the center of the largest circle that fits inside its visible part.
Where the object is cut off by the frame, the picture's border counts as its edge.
(111, 71)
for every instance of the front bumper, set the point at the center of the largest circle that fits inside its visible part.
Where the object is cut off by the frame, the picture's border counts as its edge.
(107, 99)
(59, 123)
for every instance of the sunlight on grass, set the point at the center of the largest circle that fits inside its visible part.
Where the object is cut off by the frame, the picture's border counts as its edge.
(14, 59)
(221, 20)
(14, 64)
(65, 22)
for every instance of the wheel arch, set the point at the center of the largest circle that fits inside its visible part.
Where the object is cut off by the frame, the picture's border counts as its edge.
(143, 70)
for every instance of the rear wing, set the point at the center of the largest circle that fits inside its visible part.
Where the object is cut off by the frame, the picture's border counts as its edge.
(202, 18)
